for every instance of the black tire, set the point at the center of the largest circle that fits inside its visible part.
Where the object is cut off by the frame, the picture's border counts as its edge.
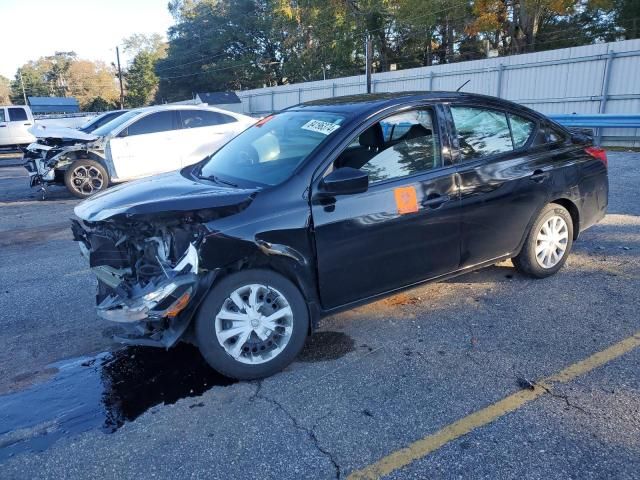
(215, 354)
(526, 262)
(98, 180)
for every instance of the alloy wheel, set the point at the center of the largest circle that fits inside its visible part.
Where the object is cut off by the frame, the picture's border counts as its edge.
(87, 179)
(551, 242)
(254, 324)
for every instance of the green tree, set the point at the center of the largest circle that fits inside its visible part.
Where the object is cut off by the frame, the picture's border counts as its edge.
(239, 44)
(57, 73)
(219, 45)
(140, 42)
(627, 17)
(99, 104)
(5, 90)
(142, 82)
(32, 76)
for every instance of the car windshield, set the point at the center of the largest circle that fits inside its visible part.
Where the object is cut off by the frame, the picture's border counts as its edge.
(108, 127)
(269, 152)
(98, 121)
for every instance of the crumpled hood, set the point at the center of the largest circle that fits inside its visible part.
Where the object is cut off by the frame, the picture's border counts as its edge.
(44, 131)
(168, 192)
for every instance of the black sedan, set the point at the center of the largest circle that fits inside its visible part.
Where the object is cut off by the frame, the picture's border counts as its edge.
(331, 204)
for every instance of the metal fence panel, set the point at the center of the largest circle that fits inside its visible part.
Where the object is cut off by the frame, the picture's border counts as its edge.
(600, 78)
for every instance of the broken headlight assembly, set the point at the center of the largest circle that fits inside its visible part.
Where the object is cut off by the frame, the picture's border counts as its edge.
(164, 297)
(147, 272)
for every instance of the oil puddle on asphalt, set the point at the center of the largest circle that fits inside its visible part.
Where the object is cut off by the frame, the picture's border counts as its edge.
(101, 392)
(107, 390)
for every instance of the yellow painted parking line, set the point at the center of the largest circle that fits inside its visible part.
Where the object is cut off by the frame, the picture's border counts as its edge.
(423, 447)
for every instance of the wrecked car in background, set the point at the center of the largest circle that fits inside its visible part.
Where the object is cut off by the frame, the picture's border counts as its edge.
(135, 144)
(329, 205)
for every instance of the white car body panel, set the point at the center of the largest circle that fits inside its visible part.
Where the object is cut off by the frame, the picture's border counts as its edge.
(216, 136)
(143, 155)
(43, 131)
(136, 156)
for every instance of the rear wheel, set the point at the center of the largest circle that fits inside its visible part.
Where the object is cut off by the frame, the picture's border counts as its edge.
(252, 324)
(85, 177)
(548, 243)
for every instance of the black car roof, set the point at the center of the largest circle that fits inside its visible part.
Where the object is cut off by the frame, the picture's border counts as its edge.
(367, 102)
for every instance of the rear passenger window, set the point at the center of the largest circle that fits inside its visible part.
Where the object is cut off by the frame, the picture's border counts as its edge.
(203, 118)
(153, 123)
(547, 134)
(398, 146)
(521, 130)
(17, 114)
(481, 132)
(554, 135)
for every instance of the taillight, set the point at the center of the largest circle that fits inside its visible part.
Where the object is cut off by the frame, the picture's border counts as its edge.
(599, 153)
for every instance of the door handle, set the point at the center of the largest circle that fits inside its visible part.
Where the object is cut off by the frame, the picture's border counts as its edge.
(436, 201)
(2, 126)
(539, 176)
(27, 124)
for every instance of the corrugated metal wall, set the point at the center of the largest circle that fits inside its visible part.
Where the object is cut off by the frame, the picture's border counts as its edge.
(601, 78)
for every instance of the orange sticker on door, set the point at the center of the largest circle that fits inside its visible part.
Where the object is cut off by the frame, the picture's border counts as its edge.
(406, 200)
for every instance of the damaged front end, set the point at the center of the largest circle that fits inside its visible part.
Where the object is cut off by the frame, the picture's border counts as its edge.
(47, 159)
(148, 275)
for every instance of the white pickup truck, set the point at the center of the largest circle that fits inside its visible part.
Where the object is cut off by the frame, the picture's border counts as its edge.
(15, 121)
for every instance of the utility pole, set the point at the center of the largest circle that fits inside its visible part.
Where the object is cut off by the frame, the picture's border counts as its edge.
(24, 95)
(120, 78)
(368, 56)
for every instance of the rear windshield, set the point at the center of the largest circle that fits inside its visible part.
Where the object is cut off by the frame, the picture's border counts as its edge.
(269, 152)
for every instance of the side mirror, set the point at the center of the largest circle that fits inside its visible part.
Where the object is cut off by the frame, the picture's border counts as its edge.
(123, 133)
(344, 181)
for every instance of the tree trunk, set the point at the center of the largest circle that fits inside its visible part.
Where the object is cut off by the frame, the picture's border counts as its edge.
(526, 16)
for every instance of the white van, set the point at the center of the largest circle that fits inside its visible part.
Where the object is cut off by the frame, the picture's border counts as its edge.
(15, 121)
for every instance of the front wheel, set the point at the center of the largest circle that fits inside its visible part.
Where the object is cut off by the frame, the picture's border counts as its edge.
(548, 243)
(86, 177)
(252, 324)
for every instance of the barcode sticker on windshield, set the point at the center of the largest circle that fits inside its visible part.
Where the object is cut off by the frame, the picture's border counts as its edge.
(319, 126)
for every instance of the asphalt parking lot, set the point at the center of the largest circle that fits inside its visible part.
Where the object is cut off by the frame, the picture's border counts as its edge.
(488, 375)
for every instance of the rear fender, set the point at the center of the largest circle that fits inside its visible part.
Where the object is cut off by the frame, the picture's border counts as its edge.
(564, 201)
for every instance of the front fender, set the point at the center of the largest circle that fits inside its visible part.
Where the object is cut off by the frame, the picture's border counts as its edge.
(229, 254)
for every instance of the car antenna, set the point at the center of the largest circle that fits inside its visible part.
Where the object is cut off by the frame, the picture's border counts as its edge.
(460, 87)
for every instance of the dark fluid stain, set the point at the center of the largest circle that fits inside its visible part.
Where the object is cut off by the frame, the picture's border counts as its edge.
(101, 392)
(323, 346)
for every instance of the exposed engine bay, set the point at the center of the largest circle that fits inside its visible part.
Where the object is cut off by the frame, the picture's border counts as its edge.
(48, 158)
(147, 274)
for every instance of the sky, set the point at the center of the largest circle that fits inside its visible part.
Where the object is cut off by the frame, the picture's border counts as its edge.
(91, 28)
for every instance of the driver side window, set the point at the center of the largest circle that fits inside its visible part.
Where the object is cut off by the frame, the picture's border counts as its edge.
(153, 123)
(397, 146)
